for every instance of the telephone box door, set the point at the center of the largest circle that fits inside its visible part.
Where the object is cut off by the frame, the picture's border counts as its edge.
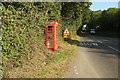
(50, 35)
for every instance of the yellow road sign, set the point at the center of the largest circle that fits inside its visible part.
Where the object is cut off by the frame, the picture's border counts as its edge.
(66, 35)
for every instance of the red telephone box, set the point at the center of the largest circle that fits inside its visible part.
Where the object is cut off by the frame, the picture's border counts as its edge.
(50, 34)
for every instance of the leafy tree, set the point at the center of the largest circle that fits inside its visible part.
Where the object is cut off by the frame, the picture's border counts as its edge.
(105, 21)
(72, 14)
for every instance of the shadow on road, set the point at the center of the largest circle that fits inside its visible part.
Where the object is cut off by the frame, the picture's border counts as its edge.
(87, 44)
(95, 46)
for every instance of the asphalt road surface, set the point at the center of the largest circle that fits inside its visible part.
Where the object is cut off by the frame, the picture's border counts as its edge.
(97, 57)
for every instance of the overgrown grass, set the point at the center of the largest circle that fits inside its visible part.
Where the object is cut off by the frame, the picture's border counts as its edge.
(45, 63)
(58, 57)
(24, 53)
(57, 64)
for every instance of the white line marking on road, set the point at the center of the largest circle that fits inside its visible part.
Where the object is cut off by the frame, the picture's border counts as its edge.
(87, 43)
(114, 49)
(105, 40)
(75, 70)
(90, 44)
(100, 42)
(76, 73)
(97, 40)
(110, 55)
(97, 75)
(96, 44)
(84, 44)
(81, 43)
(93, 37)
(74, 67)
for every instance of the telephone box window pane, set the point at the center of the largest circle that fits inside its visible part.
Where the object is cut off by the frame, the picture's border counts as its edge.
(50, 36)
(50, 28)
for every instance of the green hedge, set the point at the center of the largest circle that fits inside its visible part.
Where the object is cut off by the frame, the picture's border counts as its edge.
(23, 25)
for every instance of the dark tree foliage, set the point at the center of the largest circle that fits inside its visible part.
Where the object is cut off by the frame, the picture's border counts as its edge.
(106, 20)
(74, 14)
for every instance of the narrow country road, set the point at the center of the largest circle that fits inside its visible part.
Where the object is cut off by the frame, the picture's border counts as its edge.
(97, 57)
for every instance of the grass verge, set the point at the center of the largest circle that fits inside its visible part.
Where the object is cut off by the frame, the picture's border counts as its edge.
(45, 63)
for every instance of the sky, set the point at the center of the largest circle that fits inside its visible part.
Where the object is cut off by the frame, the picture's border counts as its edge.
(103, 5)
